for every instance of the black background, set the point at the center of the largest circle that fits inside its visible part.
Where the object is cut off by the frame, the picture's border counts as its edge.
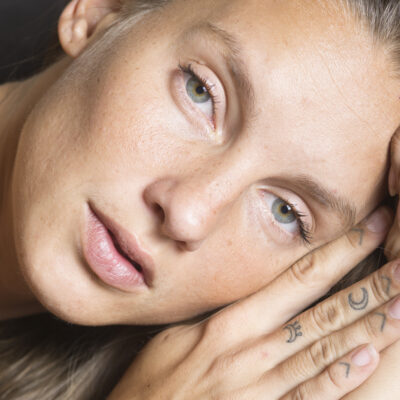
(28, 36)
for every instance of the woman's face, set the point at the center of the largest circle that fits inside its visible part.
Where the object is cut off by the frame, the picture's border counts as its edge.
(217, 181)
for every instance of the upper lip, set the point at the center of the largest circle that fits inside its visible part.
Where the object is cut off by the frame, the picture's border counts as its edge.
(129, 245)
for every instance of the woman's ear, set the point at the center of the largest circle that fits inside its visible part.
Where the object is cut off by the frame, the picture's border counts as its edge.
(82, 20)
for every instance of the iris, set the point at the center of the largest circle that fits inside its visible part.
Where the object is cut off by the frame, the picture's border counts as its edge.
(282, 212)
(196, 91)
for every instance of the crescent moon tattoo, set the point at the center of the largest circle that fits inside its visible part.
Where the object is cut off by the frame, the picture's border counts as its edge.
(294, 330)
(359, 305)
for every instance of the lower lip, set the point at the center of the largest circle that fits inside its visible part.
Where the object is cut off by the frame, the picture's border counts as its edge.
(105, 260)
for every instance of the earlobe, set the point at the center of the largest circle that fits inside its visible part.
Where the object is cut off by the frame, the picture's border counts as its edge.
(81, 20)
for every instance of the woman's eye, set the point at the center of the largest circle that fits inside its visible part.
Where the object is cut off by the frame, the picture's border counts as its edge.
(196, 91)
(199, 94)
(283, 213)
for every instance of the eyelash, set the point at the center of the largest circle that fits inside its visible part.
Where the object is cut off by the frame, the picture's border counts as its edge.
(215, 98)
(305, 233)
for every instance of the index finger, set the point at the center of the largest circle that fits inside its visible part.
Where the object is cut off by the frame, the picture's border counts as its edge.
(302, 284)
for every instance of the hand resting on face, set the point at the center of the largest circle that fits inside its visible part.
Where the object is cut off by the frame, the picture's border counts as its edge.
(260, 348)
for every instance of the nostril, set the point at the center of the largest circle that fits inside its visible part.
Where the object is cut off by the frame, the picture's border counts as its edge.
(159, 212)
(181, 245)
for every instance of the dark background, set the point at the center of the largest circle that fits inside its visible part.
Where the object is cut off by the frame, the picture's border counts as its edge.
(28, 36)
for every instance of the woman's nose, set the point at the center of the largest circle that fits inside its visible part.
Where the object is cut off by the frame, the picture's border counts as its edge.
(190, 207)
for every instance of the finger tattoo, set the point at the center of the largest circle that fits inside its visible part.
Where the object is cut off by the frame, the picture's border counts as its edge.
(383, 316)
(294, 331)
(359, 305)
(347, 365)
(361, 232)
(388, 284)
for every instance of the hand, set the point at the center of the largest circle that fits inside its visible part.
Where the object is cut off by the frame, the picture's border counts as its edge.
(392, 244)
(249, 350)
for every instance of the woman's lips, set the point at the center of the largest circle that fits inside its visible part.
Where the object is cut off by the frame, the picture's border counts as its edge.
(114, 254)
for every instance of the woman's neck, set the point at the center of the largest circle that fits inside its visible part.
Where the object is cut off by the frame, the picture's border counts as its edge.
(16, 102)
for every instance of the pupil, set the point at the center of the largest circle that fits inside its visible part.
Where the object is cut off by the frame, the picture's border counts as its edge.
(286, 209)
(200, 89)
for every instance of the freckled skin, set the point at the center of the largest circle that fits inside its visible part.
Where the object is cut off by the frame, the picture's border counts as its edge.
(109, 130)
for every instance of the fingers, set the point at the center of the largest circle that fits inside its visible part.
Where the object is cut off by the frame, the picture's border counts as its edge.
(301, 284)
(381, 328)
(332, 314)
(340, 378)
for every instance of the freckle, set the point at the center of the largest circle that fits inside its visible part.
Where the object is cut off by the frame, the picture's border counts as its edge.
(229, 242)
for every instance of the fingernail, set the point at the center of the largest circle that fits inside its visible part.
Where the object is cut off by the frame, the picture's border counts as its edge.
(391, 180)
(394, 309)
(364, 356)
(378, 222)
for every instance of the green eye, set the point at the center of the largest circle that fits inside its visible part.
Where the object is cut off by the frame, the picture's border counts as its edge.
(197, 91)
(282, 212)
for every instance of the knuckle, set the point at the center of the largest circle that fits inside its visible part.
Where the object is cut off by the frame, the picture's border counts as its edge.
(299, 393)
(372, 328)
(322, 353)
(334, 379)
(327, 315)
(221, 366)
(353, 239)
(378, 288)
(167, 334)
(216, 326)
(214, 333)
(304, 271)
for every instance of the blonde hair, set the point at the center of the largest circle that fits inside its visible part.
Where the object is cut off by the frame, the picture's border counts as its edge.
(42, 357)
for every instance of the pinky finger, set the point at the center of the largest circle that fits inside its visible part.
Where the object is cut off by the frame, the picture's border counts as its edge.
(340, 378)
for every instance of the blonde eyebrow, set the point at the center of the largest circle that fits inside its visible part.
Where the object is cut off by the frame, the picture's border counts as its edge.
(343, 207)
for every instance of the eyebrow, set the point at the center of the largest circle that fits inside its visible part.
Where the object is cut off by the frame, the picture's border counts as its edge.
(343, 207)
(233, 56)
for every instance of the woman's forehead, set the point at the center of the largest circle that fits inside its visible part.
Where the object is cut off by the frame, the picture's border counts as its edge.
(312, 56)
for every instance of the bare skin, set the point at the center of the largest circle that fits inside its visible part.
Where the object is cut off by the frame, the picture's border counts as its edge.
(120, 131)
(220, 214)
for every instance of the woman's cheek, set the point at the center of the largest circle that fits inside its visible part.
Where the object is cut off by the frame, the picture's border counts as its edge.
(239, 259)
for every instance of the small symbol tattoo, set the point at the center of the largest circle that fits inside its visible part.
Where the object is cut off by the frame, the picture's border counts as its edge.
(295, 331)
(361, 232)
(347, 365)
(383, 319)
(359, 305)
(389, 283)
